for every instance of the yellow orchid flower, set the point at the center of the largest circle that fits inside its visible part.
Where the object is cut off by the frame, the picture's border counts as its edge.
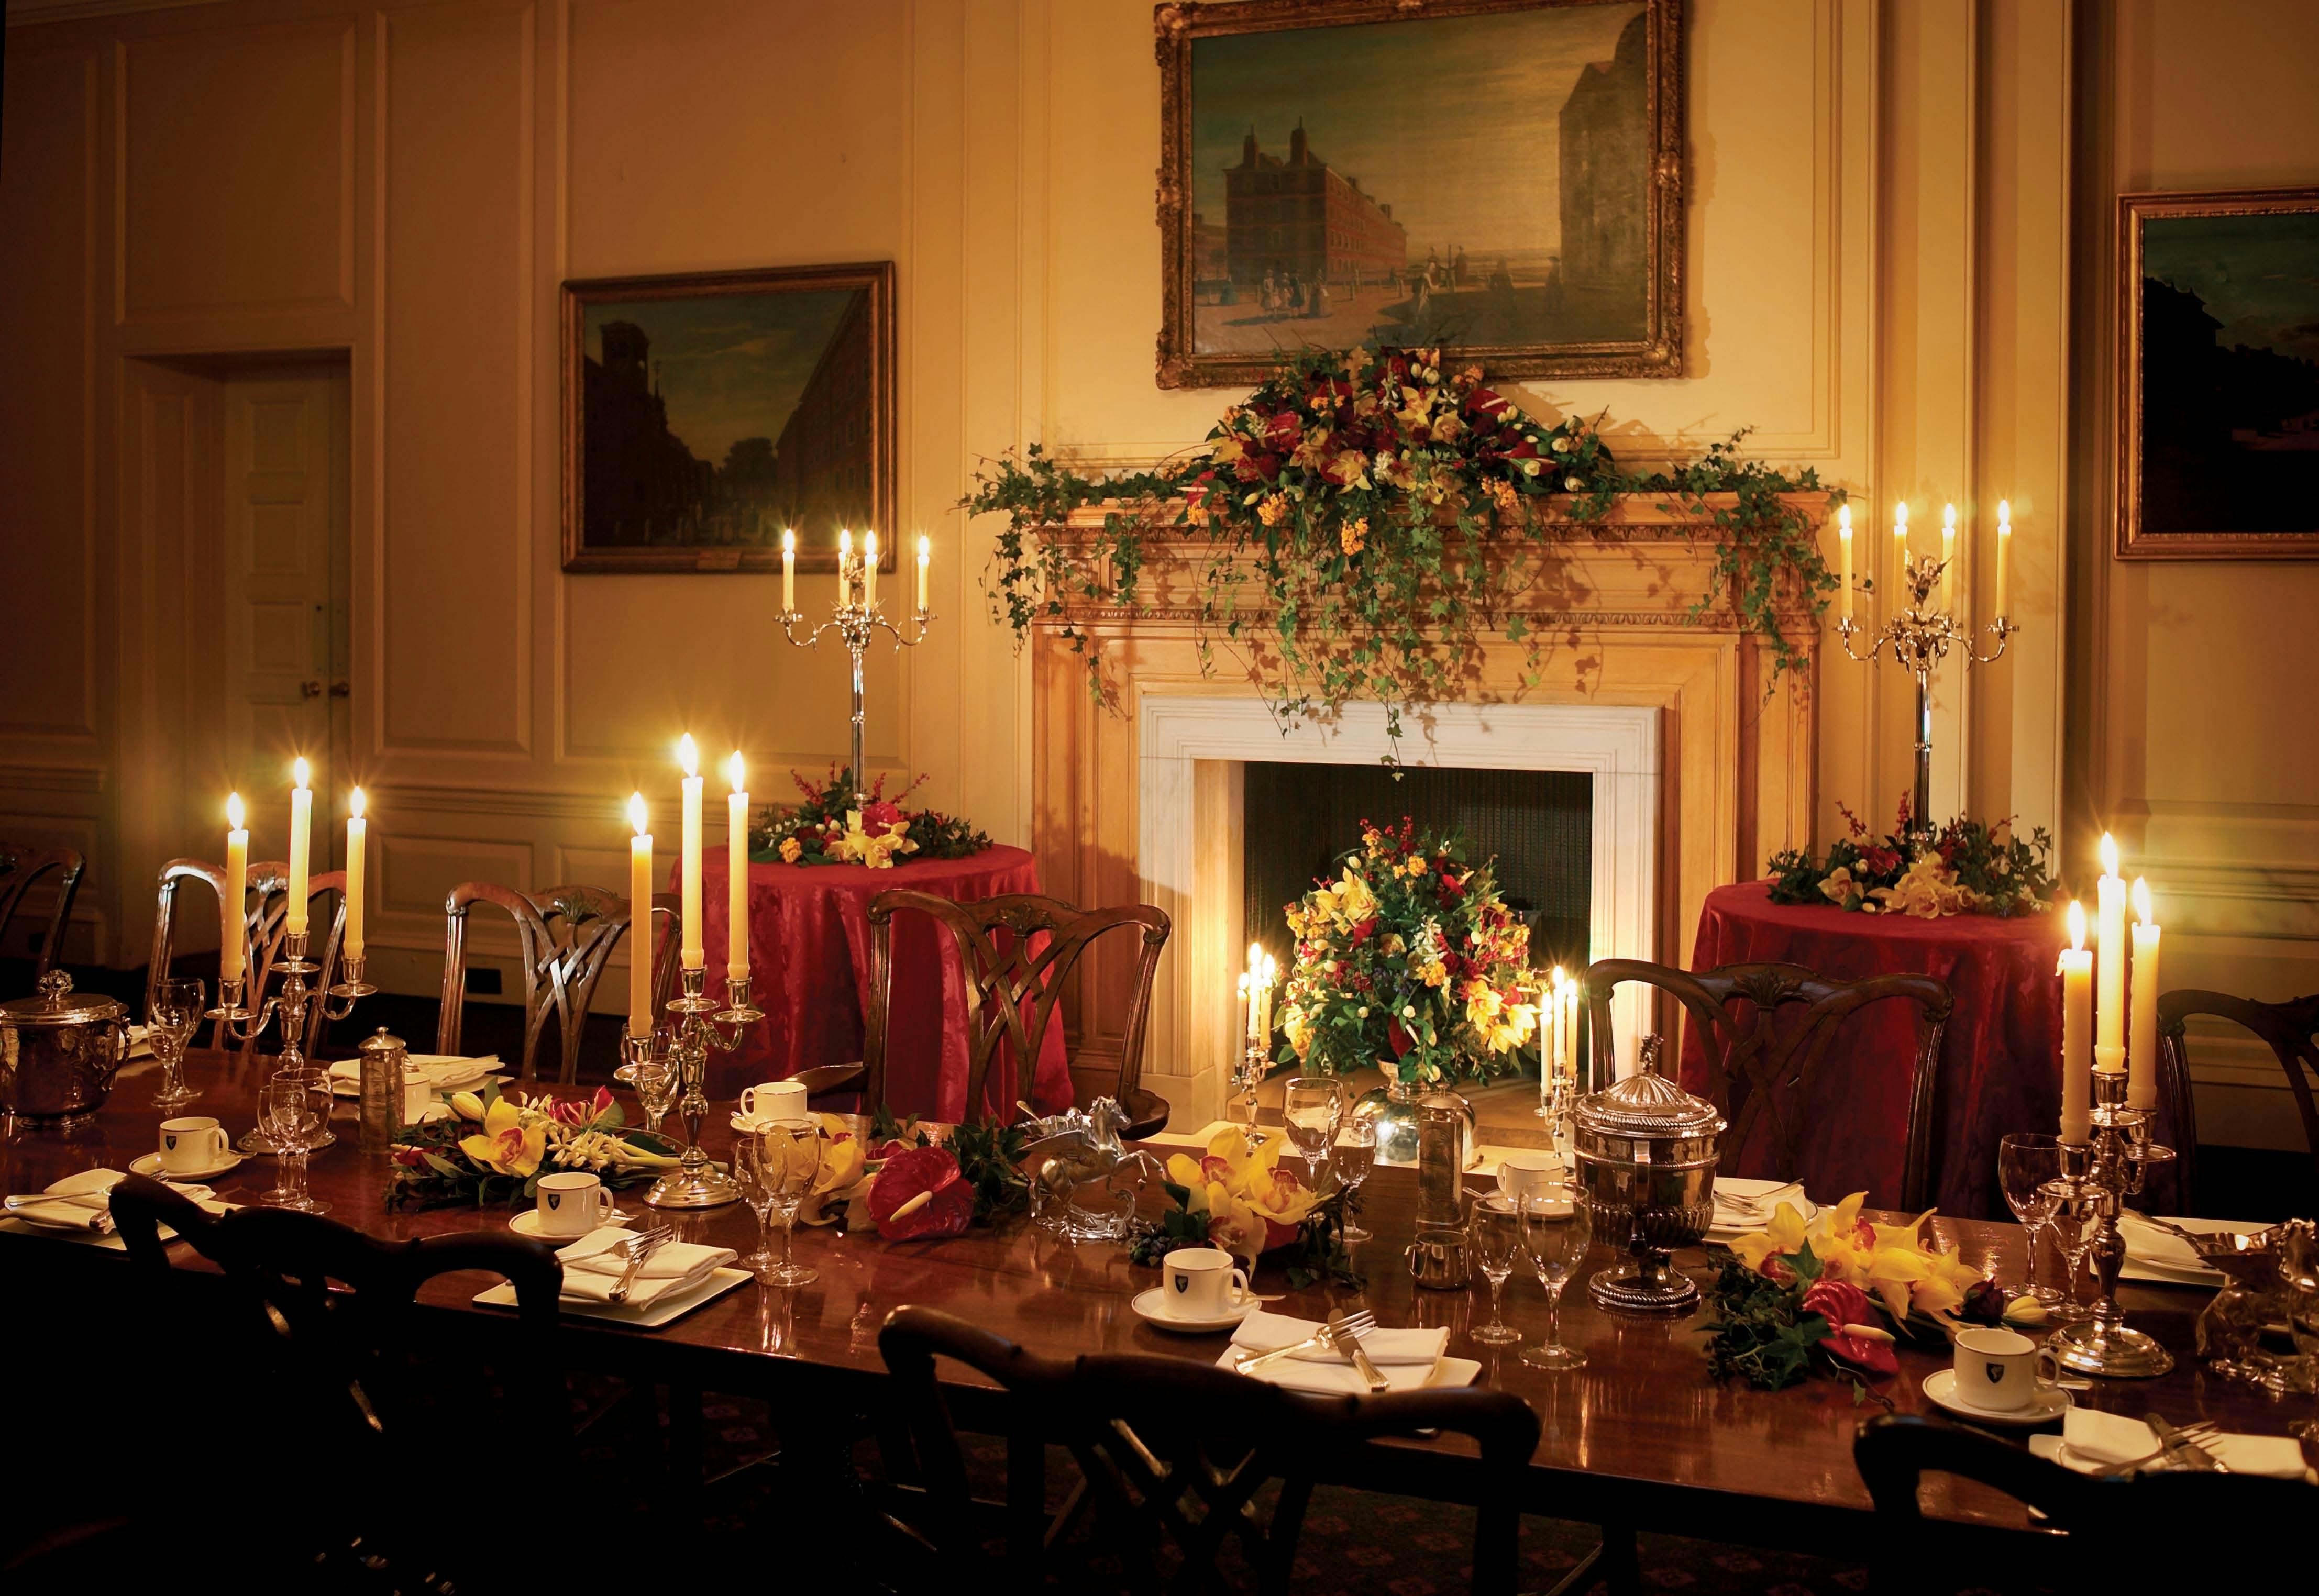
(1783, 1235)
(1184, 1170)
(507, 1145)
(467, 1106)
(1904, 1235)
(1842, 1219)
(1893, 1274)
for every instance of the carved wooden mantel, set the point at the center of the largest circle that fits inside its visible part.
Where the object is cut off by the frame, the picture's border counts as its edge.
(1614, 604)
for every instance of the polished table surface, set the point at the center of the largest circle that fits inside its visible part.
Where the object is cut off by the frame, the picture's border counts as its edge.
(1641, 1434)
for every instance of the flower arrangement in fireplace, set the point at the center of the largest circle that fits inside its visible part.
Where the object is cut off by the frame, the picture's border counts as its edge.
(1410, 962)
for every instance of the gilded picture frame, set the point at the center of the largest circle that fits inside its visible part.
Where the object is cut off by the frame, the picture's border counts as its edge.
(1591, 289)
(706, 412)
(2218, 350)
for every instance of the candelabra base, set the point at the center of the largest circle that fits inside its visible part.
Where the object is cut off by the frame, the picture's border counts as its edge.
(2114, 1352)
(705, 1187)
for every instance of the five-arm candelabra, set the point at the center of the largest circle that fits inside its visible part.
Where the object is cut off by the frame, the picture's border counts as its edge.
(698, 1025)
(853, 618)
(244, 1024)
(2098, 1175)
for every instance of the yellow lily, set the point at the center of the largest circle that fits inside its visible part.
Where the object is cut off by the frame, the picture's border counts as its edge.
(507, 1145)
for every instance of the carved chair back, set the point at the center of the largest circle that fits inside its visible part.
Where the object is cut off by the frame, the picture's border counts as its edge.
(565, 937)
(1762, 1064)
(21, 869)
(2290, 1030)
(266, 921)
(1173, 1453)
(324, 1320)
(1017, 950)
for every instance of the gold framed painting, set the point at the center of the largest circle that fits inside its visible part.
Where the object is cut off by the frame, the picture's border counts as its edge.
(1500, 177)
(2218, 374)
(705, 414)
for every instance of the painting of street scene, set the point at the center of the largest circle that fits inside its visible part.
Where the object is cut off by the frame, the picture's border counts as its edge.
(707, 416)
(1495, 194)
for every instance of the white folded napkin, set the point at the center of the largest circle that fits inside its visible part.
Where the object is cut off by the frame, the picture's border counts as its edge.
(1755, 1211)
(445, 1072)
(1405, 1357)
(2097, 1440)
(140, 1041)
(2163, 1249)
(594, 1265)
(77, 1198)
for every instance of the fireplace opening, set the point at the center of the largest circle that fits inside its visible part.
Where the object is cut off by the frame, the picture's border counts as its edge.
(1302, 818)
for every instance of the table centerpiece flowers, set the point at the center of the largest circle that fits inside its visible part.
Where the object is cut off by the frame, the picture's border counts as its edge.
(1410, 961)
(834, 824)
(1966, 867)
(1237, 1196)
(495, 1147)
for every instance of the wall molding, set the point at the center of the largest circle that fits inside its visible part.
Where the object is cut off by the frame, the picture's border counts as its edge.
(502, 803)
(85, 780)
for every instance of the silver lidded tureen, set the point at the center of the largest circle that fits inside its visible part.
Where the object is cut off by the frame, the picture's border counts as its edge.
(59, 1052)
(1646, 1155)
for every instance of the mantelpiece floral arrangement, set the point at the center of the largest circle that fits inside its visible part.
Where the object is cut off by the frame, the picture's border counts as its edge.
(1363, 512)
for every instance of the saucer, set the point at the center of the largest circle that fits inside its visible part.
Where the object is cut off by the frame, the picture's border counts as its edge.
(2050, 1403)
(1148, 1306)
(527, 1223)
(149, 1166)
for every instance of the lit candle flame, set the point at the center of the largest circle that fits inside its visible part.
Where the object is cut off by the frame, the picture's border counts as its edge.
(637, 812)
(1948, 517)
(1255, 957)
(789, 540)
(2004, 511)
(740, 782)
(926, 548)
(2141, 895)
(233, 812)
(1900, 516)
(2108, 855)
(299, 773)
(355, 803)
(2077, 926)
(845, 544)
(1843, 518)
(688, 755)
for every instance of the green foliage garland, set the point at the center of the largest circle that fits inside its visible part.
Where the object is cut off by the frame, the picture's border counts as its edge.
(1350, 507)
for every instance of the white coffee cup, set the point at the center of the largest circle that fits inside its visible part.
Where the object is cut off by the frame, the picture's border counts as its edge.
(1526, 1173)
(1202, 1282)
(193, 1143)
(571, 1204)
(2001, 1370)
(775, 1102)
(418, 1094)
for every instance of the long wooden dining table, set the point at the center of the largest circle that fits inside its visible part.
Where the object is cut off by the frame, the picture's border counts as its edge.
(1641, 1436)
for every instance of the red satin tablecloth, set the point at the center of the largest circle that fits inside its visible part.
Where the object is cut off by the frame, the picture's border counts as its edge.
(2001, 1067)
(809, 967)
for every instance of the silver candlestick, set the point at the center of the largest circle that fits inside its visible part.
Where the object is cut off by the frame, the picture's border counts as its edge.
(854, 621)
(2098, 1175)
(1920, 636)
(699, 1026)
(244, 1025)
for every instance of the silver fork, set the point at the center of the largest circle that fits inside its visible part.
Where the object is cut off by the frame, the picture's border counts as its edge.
(2204, 1430)
(1353, 1324)
(1347, 1341)
(640, 1247)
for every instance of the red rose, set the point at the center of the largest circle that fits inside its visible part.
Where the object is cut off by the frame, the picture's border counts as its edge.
(921, 1193)
(1365, 930)
(1283, 431)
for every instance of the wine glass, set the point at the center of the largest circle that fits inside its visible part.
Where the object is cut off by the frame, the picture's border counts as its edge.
(2075, 1223)
(790, 1162)
(1312, 1107)
(2026, 1162)
(294, 1110)
(759, 1178)
(1355, 1155)
(1556, 1230)
(173, 1012)
(1495, 1235)
(654, 1084)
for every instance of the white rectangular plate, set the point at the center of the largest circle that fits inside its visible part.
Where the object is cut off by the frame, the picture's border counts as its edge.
(665, 1309)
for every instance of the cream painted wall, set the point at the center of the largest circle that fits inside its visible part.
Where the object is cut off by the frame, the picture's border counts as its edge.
(1879, 192)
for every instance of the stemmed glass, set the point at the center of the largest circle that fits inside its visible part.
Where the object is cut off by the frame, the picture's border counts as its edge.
(294, 1109)
(788, 1162)
(2026, 1162)
(759, 1180)
(1313, 1106)
(2075, 1224)
(654, 1085)
(173, 1012)
(1556, 1231)
(1355, 1155)
(1495, 1233)
(1248, 1075)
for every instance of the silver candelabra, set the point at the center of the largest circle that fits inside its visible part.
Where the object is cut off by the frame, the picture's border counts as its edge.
(1920, 636)
(699, 1026)
(243, 1024)
(854, 620)
(2098, 1175)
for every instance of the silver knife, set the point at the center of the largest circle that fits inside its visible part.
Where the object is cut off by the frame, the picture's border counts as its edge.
(2177, 1445)
(1260, 1359)
(1348, 1347)
(639, 1250)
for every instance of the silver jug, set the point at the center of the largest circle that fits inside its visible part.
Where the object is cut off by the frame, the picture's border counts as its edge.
(379, 1089)
(1438, 1257)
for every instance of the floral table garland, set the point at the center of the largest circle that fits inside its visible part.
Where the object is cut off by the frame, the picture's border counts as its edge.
(496, 1145)
(1965, 868)
(834, 824)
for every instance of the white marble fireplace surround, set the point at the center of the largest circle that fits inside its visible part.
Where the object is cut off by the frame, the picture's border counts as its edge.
(1190, 838)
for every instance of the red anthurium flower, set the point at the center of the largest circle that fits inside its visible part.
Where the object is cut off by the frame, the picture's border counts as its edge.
(1397, 1039)
(1365, 930)
(930, 1173)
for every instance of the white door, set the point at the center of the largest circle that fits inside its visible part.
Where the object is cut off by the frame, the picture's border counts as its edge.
(287, 597)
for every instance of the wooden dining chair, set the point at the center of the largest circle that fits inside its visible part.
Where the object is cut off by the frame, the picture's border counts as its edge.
(2290, 1030)
(265, 919)
(1763, 1065)
(565, 937)
(2125, 1532)
(21, 869)
(1172, 1453)
(1017, 951)
(321, 1324)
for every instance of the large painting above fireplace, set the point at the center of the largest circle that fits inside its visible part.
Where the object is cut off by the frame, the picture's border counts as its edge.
(1499, 176)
